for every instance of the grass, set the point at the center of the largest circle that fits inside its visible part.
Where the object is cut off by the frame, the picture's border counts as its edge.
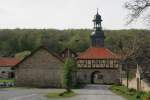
(6, 80)
(130, 94)
(58, 95)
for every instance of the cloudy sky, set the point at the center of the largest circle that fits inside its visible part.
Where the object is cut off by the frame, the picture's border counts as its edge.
(63, 14)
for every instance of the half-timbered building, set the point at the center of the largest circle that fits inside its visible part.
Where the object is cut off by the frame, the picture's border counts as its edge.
(98, 64)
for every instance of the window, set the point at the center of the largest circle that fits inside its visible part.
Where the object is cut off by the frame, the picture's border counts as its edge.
(116, 65)
(84, 61)
(89, 61)
(103, 62)
(111, 63)
(97, 61)
(93, 61)
(11, 75)
(107, 63)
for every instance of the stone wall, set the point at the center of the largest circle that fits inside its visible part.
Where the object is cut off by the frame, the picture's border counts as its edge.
(132, 83)
(110, 76)
(39, 70)
(144, 85)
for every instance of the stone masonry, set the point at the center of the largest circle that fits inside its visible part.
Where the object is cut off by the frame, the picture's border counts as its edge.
(41, 69)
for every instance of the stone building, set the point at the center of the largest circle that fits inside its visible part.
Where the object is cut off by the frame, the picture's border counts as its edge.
(40, 69)
(98, 64)
(6, 65)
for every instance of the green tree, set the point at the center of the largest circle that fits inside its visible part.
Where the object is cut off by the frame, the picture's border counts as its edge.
(69, 68)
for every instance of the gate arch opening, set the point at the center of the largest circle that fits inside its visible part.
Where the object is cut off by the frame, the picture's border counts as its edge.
(97, 77)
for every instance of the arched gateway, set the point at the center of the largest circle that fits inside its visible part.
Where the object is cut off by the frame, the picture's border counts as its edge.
(98, 65)
(97, 78)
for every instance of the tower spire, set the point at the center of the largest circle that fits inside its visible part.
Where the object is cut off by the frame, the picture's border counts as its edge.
(97, 36)
(97, 10)
(97, 21)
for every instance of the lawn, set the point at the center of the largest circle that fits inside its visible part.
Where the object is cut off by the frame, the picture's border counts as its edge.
(130, 94)
(6, 80)
(58, 95)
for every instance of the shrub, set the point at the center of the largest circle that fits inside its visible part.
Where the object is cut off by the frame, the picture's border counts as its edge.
(146, 96)
(132, 90)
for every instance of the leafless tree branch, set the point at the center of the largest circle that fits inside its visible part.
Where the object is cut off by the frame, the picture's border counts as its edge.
(136, 8)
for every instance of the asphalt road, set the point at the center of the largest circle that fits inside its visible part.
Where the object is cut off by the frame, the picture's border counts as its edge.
(90, 92)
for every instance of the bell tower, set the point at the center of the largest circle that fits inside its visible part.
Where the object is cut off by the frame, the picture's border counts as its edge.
(97, 37)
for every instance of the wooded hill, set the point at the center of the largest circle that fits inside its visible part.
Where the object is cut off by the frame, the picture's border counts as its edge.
(131, 43)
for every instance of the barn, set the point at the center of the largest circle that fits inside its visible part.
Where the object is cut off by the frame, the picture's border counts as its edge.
(40, 69)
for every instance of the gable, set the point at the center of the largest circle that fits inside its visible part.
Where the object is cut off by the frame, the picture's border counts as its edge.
(41, 58)
(67, 52)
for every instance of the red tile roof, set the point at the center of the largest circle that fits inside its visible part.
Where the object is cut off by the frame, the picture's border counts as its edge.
(8, 62)
(97, 53)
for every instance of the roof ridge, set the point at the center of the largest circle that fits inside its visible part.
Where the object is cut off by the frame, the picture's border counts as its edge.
(40, 47)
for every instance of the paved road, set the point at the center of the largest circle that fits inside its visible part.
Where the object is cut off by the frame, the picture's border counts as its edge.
(90, 92)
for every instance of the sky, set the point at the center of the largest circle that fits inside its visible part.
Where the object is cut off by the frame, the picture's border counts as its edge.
(63, 14)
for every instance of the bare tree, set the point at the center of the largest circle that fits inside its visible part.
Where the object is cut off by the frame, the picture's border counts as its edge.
(128, 52)
(137, 8)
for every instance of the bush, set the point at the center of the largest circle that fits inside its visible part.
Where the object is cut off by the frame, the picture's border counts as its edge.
(139, 95)
(130, 94)
(132, 90)
(146, 96)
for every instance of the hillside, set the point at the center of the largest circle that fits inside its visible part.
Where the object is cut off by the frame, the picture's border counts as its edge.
(122, 42)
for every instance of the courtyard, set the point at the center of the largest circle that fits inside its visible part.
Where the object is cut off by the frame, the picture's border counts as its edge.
(89, 92)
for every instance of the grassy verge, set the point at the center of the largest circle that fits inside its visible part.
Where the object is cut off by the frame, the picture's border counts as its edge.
(130, 94)
(58, 95)
(146, 96)
(6, 80)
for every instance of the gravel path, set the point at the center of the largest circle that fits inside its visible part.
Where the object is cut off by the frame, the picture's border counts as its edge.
(90, 92)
